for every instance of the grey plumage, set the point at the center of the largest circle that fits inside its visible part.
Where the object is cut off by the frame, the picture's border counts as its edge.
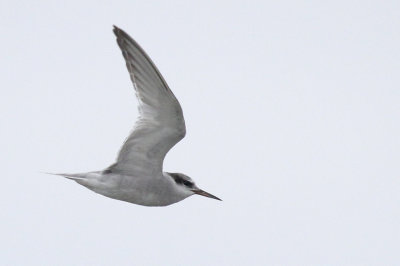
(137, 175)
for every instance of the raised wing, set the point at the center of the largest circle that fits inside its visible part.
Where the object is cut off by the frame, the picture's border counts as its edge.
(160, 124)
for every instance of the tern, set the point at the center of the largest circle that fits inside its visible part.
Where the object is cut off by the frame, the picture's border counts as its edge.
(137, 176)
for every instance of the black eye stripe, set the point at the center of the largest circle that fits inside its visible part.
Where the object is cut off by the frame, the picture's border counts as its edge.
(181, 181)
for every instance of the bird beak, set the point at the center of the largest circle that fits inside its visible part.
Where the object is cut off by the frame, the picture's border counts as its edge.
(205, 194)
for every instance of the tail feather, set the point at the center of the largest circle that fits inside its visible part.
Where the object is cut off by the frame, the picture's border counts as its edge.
(69, 176)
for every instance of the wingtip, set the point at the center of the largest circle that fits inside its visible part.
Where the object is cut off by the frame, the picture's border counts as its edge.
(117, 31)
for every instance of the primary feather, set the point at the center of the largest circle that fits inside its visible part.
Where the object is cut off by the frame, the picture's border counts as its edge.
(160, 124)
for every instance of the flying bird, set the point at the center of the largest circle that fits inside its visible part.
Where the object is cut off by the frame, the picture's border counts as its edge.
(137, 176)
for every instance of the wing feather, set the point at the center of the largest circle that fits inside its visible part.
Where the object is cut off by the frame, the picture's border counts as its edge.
(160, 124)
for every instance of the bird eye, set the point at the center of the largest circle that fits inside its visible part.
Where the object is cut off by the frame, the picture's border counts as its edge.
(187, 183)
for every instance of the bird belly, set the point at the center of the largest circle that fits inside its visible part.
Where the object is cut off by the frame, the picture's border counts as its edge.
(146, 191)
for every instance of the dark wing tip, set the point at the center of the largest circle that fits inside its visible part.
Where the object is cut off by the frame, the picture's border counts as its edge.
(117, 31)
(120, 33)
(123, 37)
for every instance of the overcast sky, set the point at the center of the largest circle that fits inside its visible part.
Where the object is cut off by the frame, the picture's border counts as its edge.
(292, 113)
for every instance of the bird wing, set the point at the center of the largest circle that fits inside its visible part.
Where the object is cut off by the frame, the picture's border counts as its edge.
(160, 124)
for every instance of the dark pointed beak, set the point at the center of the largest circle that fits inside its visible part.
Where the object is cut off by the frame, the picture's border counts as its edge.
(205, 194)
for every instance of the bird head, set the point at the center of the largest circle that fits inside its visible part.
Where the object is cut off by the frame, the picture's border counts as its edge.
(187, 185)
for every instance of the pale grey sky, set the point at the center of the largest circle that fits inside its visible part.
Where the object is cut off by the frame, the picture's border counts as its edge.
(292, 113)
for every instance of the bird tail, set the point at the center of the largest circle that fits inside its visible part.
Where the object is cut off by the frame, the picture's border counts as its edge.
(70, 176)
